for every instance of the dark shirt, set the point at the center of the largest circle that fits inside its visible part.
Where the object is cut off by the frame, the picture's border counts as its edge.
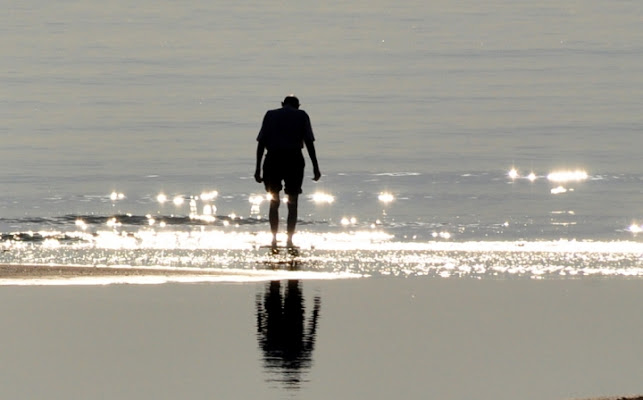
(284, 129)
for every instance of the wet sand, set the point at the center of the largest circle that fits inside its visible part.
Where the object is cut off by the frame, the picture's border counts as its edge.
(375, 338)
(61, 275)
(12, 271)
(618, 398)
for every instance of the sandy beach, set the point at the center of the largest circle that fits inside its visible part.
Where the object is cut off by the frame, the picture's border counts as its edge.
(372, 338)
(13, 271)
(618, 398)
(65, 275)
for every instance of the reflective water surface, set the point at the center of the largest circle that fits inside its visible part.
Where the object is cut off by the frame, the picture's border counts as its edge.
(286, 332)
(566, 223)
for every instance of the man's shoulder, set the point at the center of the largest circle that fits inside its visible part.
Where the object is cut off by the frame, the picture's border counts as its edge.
(298, 112)
(287, 111)
(273, 112)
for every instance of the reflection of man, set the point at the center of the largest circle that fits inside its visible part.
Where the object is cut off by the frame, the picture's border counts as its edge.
(283, 133)
(285, 338)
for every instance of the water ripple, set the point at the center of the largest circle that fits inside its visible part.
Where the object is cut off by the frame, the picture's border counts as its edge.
(361, 253)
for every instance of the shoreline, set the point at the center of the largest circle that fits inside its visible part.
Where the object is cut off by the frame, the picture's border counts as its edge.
(615, 398)
(43, 275)
(26, 271)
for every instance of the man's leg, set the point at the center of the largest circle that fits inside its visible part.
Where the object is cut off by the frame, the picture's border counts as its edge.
(273, 216)
(293, 181)
(292, 217)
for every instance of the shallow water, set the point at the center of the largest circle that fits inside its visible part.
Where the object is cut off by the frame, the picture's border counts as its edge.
(509, 227)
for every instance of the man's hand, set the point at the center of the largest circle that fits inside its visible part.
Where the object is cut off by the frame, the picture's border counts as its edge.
(260, 150)
(317, 174)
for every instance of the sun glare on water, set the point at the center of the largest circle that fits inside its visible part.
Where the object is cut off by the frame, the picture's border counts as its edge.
(567, 176)
(178, 201)
(558, 190)
(116, 196)
(562, 176)
(513, 174)
(346, 221)
(209, 196)
(323, 198)
(634, 228)
(349, 251)
(386, 197)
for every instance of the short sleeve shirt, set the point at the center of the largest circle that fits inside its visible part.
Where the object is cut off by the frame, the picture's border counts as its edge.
(285, 128)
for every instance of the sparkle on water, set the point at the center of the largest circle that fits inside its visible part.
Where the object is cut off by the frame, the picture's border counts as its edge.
(568, 176)
(347, 247)
(323, 198)
(350, 253)
(386, 197)
(559, 176)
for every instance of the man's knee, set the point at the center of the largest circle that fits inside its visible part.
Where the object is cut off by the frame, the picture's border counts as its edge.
(292, 200)
(274, 200)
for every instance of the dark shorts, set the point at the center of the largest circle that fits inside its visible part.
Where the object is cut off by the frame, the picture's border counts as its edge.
(286, 167)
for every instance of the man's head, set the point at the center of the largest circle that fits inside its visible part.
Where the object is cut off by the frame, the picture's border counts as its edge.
(291, 100)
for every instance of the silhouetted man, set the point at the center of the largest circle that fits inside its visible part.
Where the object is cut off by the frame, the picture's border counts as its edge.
(284, 132)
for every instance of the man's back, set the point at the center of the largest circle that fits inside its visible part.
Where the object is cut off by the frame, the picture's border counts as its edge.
(285, 128)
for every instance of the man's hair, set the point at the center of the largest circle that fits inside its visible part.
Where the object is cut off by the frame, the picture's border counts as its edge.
(291, 100)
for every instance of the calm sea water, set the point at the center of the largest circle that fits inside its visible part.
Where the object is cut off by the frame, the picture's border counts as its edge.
(462, 139)
(496, 139)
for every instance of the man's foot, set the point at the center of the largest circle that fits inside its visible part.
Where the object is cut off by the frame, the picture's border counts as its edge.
(274, 248)
(292, 249)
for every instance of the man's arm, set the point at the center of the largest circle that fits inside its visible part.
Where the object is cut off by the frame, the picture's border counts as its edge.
(260, 149)
(309, 139)
(310, 146)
